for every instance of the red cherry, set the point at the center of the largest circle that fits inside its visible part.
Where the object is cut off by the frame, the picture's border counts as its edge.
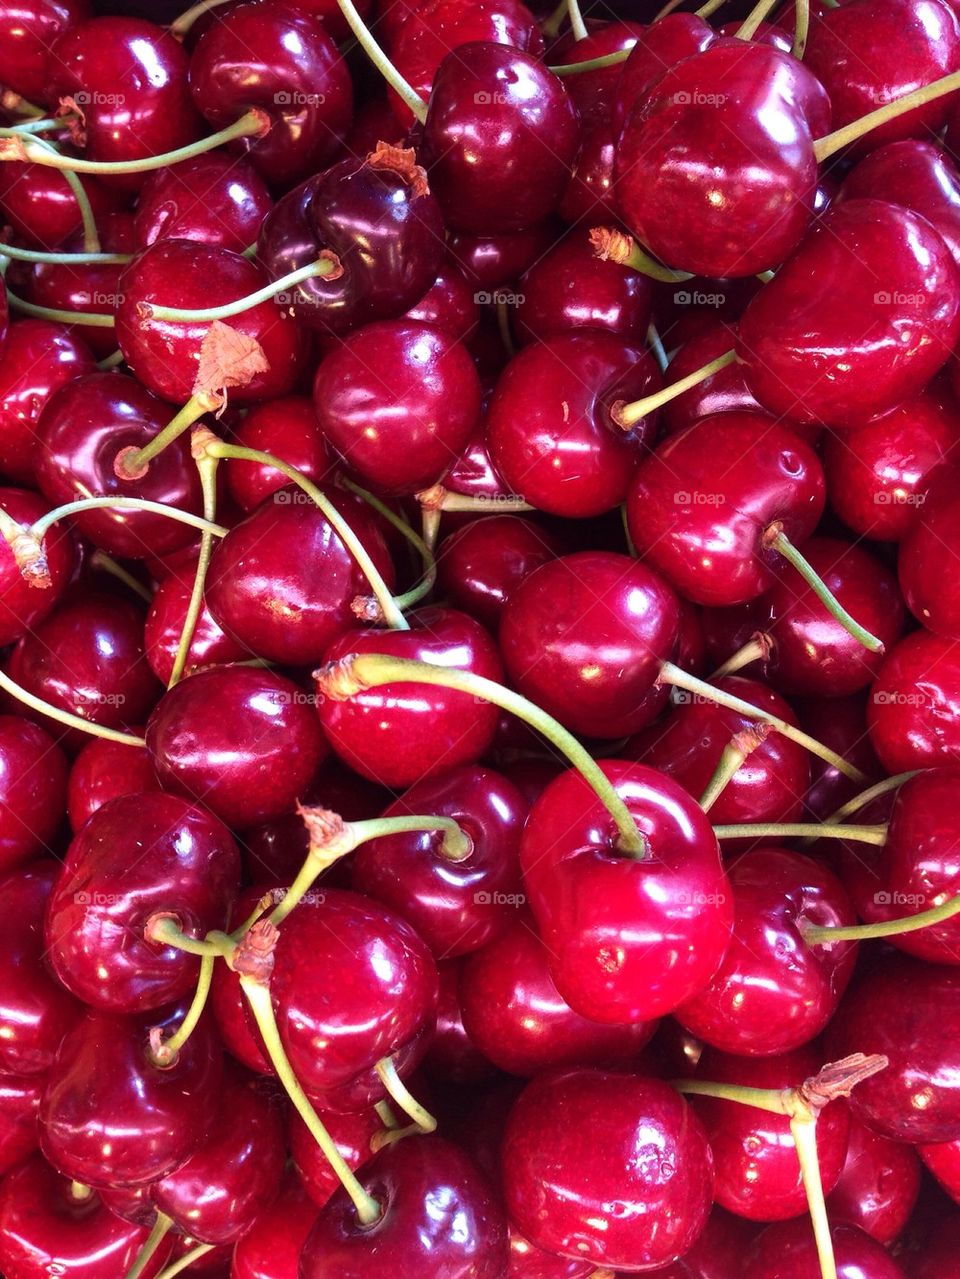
(879, 1184)
(664, 44)
(212, 199)
(41, 207)
(589, 197)
(353, 1136)
(942, 1158)
(493, 261)
(26, 601)
(718, 1251)
(910, 711)
(839, 723)
(271, 1248)
(209, 646)
(724, 392)
(788, 1251)
(19, 1107)
(453, 1057)
(449, 304)
(26, 33)
(928, 578)
(286, 428)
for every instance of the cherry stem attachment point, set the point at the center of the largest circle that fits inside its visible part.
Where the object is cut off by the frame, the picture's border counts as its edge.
(165, 1051)
(327, 265)
(628, 415)
(612, 245)
(437, 498)
(132, 463)
(375, 53)
(734, 754)
(829, 145)
(401, 1095)
(813, 935)
(79, 1192)
(161, 1228)
(366, 607)
(757, 649)
(787, 830)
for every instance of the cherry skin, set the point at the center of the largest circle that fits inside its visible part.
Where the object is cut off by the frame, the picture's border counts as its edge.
(24, 602)
(38, 357)
(163, 354)
(588, 197)
(717, 1253)
(788, 1251)
(353, 1135)
(758, 1173)
(484, 560)
(19, 1108)
(384, 1003)
(912, 704)
(85, 286)
(210, 646)
(449, 304)
(281, 583)
(839, 723)
(453, 1057)
(937, 1258)
(907, 1010)
(396, 737)
(500, 138)
(474, 474)
(105, 770)
(116, 1119)
(773, 991)
(138, 857)
(661, 46)
(456, 907)
(438, 1213)
(894, 287)
(551, 432)
(699, 512)
(879, 1184)
(629, 939)
(26, 33)
(83, 429)
(45, 1229)
(495, 260)
(271, 1247)
(42, 208)
(250, 759)
(278, 58)
(724, 392)
(33, 783)
(928, 578)
(943, 1160)
(287, 428)
(648, 1154)
(615, 607)
(398, 401)
(212, 199)
(527, 1261)
(594, 92)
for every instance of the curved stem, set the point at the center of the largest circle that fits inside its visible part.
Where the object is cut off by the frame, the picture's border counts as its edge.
(814, 934)
(827, 146)
(107, 564)
(405, 1100)
(165, 1053)
(258, 997)
(785, 830)
(131, 464)
(45, 522)
(801, 29)
(46, 124)
(870, 794)
(163, 930)
(161, 1228)
(577, 24)
(755, 650)
(779, 542)
(391, 613)
(15, 104)
(372, 670)
(179, 27)
(751, 24)
(67, 718)
(671, 674)
(327, 265)
(430, 527)
(207, 467)
(375, 53)
(112, 361)
(628, 415)
(186, 1261)
(770, 1099)
(56, 316)
(65, 259)
(734, 754)
(429, 578)
(386, 1115)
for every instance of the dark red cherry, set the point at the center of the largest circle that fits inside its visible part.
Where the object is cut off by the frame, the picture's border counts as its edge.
(138, 857)
(164, 354)
(595, 92)
(236, 1028)
(569, 1156)
(287, 428)
(271, 1247)
(110, 1117)
(47, 1229)
(911, 711)
(26, 601)
(928, 578)
(908, 1011)
(438, 1215)
(894, 288)
(879, 1184)
(398, 401)
(242, 741)
(758, 1173)
(396, 736)
(82, 431)
(449, 304)
(628, 938)
(855, 55)
(588, 198)
(42, 208)
(616, 610)
(26, 33)
(383, 1003)
(500, 138)
(839, 723)
(105, 770)
(281, 583)
(789, 1251)
(773, 992)
(551, 431)
(353, 1135)
(943, 1160)
(214, 198)
(723, 392)
(38, 357)
(19, 1107)
(717, 1252)
(493, 261)
(698, 511)
(33, 783)
(527, 1261)
(69, 286)
(456, 907)
(210, 646)
(283, 60)
(660, 47)
(481, 563)
(453, 1057)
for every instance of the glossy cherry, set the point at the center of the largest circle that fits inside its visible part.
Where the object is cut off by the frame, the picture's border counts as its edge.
(928, 577)
(589, 198)
(25, 601)
(271, 1247)
(449, 304)
(912, 704)
(717, 1252)
(839, 723)
(42, 208)
(789, 1250)
(26, 33)
(453, 1057)
(19, 1108)
(664, 43)
(481, 563)
(724, 392)
(209, 645)
(287, 428)
(879, 1184)
(353, 1135)
(212, 199)
(105, 770)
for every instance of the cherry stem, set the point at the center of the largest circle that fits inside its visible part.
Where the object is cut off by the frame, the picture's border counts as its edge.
(94, 320)
(829, 145)
(667, 9)
(437, 498)
(751, 24)
(671, 674)
(803, 1130)
(734, 754)
(66, 259)
(131, 464)
(502, 310)
(387, 1117)
(165, 1052)
(870, 794)
(577, 24)
(359, 671)
(628, 415)
(91, 239)
(258, 997)
(709, 9)
(801, 29)
(46, 124)
(164, 930)
(186, 1261)
(551, 26)
(814, 935)
(107, 564)
(430, 527)
(79, 1192)
(67, 718)
(655, 344)
(207, 468)
(400, 1093)
(253, 123)
(375, 53)
(161, 1228)
(392, 615)
(325, 265)
(367, 607)
(757, 649)
(612, 245)
(631, 548)
(594, 64)
(181, 26)
(45, 522)
(786, 830)
(17, 105)
(112, 361)
(777, 540)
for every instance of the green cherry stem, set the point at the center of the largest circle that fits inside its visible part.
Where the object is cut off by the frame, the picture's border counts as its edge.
(161, 1228)
(359, 671)
(829, 145)
(375, 53)
(91, 238)
(401, 1095)
(801, 29)
(67, 718)
(186, 1261)
(611, 245)
(100, 560)
(577, 24)
(628, 415)
(165, 930)
(592, 64)
(757, 649)
(93, 319)
(131, 463)
(207, 469)
(364, 607)
(709, 9)
(437, 498)
(870, 794)
(165, 1051)
(111, 361)
(46, 124)
(734, 755)
(813, 935)
(326, 265)
(19, 106)
(66, 259)
(179, 27)
(46, 521)
(552, 25)
(655, 343)
(787, 830)
(751, 24)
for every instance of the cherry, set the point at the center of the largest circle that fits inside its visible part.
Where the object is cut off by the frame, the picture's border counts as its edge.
(117, 1119)
(137, 858)
(449, 304)
(398, 401)
(41, 207)
(724, 392)
(394, 736)
(893, 286)
(209, 645)
(910, 711)
(629, 938)
(38, 358)
(493, 261)
(551, 426)
(26, 33)
(589, 197)
(622, 611)
(453, 1057)
(384, 226)
(789, 1249)
(530, 1262)
(271, 1247)
(437, 1212)
(700, 514)
(19, 1107)
(164, 354)
(568, 1155)
(287, 428)
(930, 584)
(46, 1229)
(661, 46)
(33, 781)
(773, 992)
(27, 599)
(282, 582)
(840, 723)
(481, 563)
(105, 770)
(383, 1003)
(906, 1010)
(70, 287)
(718, 1251)
(875, 75)
(499, 138)
(758, 1172)
(252, 758)
(595, 92)
(937, 1258)
(941, 1158)
(879, 1184)
(353, 1135)
(212, 199)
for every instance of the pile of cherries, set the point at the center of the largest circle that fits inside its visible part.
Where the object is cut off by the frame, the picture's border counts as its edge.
(480, 623)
